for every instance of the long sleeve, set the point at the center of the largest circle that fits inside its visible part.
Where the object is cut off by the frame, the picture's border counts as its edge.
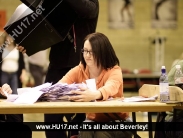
(76, 75)
(113, 86)
(71, 76)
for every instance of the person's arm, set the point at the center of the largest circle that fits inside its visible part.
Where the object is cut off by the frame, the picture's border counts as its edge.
(112, 85)
(86, 95)
(23, 76)
(71, 76)
(85, 8)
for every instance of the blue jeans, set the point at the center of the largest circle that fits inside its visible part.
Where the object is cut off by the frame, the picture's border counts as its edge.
(11, 79)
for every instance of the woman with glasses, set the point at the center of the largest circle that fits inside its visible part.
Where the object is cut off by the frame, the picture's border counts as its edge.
(99, 62)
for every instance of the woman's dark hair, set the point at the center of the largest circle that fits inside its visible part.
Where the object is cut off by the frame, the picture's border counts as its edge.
(102, 50)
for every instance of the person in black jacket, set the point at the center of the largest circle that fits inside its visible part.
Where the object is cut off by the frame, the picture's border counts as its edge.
(66, 54)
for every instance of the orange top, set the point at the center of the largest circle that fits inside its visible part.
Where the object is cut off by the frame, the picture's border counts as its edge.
(109, 83)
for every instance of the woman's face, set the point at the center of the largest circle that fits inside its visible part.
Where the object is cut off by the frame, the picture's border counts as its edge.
(88, 54)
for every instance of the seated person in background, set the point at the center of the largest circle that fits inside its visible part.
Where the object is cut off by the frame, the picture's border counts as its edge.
(171, 81)
(168, 116)
(173, 69)
(11, 130)
(177, 60)
(99, 62)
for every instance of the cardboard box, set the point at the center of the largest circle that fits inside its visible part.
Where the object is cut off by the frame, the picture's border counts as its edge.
(148, 90)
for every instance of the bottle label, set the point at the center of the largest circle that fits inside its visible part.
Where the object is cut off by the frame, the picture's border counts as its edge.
(163, 87)
(179, 80)
(164, 92)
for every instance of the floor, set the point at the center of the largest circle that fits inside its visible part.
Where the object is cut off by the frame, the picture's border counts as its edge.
(141, 117)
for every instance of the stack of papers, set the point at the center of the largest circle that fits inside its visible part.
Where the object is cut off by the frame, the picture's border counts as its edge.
(140, 99)
(59, 91)
(44, 92)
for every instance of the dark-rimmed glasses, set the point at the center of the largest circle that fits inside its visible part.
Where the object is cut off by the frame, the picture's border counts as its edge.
(84, 51)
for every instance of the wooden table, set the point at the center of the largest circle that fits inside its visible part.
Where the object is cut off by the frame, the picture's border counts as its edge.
(83, 107)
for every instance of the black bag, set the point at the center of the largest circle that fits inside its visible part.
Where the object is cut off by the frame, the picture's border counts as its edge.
(172, 126)
(39, 24)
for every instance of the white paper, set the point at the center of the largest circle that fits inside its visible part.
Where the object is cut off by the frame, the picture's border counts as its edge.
(12, 97)
(29, 97)
(91, 84)
(22, 90)
(140, 99)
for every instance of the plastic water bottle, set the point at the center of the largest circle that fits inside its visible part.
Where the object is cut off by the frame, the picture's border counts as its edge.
(164, 86)
(178, 77)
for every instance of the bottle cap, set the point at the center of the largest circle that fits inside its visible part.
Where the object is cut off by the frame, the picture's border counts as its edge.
(162, 67)
(177, 66)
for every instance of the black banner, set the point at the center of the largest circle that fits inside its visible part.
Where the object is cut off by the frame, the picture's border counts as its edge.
(93, 126)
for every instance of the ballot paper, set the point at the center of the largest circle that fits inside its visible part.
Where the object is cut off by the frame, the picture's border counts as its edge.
(30, 95)
(47, 92)
(91, 84)
(140, 99)
(60, 91)
(12, 97)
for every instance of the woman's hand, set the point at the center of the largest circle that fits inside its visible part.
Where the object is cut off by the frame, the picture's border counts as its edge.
(5, 88)
(24, 76)
(85, 95)
(21, 49)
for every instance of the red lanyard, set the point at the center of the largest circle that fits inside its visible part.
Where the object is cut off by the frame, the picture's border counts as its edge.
(74, 38)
